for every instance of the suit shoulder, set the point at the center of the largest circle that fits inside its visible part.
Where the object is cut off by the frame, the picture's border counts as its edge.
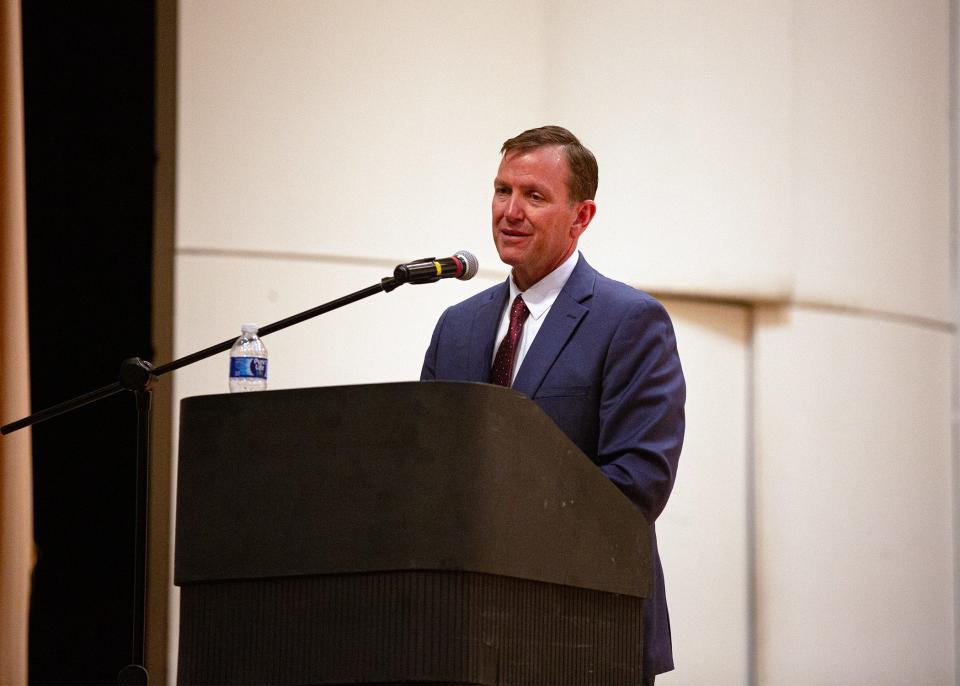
(618, 294)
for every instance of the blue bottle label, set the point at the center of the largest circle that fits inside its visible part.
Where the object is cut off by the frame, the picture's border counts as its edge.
(248, 367)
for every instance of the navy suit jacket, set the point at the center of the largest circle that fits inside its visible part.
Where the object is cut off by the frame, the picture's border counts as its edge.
(604, 367)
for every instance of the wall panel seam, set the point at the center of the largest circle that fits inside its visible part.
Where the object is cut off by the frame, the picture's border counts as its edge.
(880, 315)
(954, 179)
(288, 255)
(389, 264)
(750, 475)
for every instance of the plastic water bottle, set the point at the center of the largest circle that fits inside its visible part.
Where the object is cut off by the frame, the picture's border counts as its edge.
(248, 362)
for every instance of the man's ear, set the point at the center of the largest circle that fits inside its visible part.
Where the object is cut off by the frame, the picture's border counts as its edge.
(586, 209)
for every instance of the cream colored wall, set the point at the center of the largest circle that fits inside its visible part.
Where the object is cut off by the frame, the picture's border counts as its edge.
(703, 534)
(688, 105)
(871, 158)
(326, 128)
(853, 500)
(778, 171)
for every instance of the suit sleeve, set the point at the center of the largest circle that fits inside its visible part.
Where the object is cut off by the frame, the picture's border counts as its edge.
(429, 370)
(641, 419)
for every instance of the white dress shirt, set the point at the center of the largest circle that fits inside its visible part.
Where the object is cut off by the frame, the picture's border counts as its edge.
(539, 298)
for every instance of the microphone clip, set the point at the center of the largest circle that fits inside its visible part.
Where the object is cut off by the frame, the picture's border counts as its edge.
(423, 270)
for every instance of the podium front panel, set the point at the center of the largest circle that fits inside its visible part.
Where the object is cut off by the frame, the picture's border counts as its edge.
(391, 477)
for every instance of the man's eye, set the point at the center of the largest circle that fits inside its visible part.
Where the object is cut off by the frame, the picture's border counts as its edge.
(501, 191)
(536, 196)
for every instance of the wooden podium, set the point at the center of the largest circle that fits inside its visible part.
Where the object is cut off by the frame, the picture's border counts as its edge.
(407, 533)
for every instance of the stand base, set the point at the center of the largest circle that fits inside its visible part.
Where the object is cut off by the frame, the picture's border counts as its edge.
(132, 675)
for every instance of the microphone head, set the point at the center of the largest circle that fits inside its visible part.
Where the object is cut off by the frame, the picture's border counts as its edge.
(470, 264)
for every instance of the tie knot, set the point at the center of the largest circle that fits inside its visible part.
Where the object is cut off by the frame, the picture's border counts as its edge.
(519, 311)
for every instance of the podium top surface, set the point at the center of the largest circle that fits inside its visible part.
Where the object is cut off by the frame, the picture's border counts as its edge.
(399, 476)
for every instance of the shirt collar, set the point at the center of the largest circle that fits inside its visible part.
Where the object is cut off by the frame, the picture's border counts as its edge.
(541, 295)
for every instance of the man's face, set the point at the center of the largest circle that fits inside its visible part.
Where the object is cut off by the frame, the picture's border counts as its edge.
(535, 226)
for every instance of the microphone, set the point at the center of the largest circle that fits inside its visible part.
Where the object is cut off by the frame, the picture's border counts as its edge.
(463, 265)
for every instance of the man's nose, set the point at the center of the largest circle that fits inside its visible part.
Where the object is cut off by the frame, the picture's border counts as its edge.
(513, 211)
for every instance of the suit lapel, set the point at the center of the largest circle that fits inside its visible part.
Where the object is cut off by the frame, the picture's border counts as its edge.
(483, 331)
(562, 321)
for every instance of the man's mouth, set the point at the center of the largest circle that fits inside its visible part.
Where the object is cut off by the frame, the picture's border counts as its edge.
(514, 232)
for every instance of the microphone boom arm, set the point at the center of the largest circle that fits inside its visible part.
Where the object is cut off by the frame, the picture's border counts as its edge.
(137, 374)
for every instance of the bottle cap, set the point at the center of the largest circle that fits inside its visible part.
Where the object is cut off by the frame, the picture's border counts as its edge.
(249, 328)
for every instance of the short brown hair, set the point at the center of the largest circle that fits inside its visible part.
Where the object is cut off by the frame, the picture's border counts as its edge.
(584, 174)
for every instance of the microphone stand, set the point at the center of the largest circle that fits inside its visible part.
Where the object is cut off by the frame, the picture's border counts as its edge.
(138, 376)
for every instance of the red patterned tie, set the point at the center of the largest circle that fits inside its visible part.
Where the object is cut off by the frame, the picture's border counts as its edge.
(502, 372)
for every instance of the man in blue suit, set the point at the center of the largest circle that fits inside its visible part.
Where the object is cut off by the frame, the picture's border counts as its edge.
(599, 357)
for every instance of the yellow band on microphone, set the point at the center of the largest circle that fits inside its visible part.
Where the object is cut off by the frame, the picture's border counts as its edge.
(438, 267)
